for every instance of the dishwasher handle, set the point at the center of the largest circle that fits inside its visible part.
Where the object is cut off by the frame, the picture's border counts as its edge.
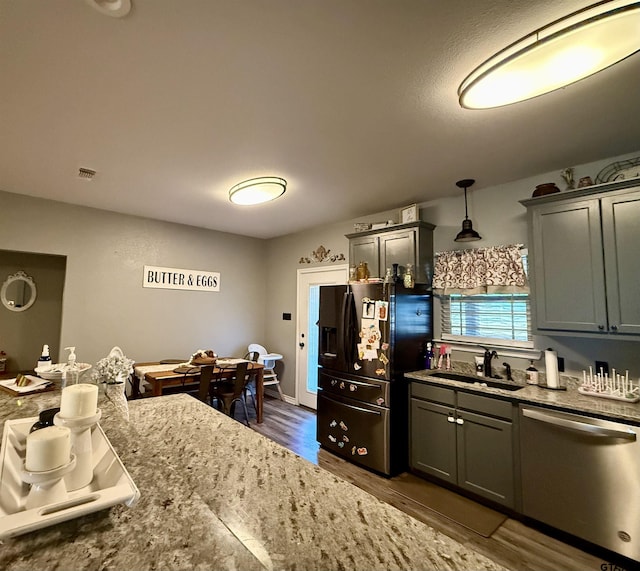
(594, 429)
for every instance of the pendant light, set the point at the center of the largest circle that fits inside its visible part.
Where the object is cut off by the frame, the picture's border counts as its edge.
(257, 190)
(556, 55)
(467, 234)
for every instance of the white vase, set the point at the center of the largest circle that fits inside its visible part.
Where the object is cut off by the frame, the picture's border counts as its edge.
(115, 393)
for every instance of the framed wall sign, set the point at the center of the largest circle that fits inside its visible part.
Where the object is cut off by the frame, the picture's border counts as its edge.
(409, 213)
(176, 278)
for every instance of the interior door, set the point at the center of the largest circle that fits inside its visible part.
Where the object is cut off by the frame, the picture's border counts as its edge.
(309, 282)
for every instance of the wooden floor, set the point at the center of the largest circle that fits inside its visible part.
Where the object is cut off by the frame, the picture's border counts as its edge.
(514, 545)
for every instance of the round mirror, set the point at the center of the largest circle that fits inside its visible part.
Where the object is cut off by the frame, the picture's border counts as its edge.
(18, 292)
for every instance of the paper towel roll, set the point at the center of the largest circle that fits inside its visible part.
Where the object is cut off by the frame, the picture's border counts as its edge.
(551, 364)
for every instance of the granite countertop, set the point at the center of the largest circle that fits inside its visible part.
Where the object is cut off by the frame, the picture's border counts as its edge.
(568, 400)
(217, 495)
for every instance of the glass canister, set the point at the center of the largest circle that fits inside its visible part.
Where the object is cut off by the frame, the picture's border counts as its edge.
(363, 271)
(409, 280)
(353, 274)
(388, 277)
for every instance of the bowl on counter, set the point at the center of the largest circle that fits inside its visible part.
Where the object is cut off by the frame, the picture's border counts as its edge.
(55, 372)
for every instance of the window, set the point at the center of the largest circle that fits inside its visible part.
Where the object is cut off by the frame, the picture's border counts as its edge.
(487, 317)
(490, 316)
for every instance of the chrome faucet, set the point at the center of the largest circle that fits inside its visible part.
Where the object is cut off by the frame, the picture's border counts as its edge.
(488, 355)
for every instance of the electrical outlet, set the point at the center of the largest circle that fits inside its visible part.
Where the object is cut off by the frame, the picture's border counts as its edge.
(602, 365)
(286, 316)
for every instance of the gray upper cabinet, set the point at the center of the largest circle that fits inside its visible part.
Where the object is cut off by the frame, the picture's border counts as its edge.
(621, 238)
(583, 258)
(400, 244)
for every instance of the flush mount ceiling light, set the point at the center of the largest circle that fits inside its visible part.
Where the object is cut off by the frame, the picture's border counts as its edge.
(467, 234)
(113, 8)
(561, 53)
(257, 190)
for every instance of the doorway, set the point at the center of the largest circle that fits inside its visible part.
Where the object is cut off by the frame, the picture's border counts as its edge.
(309, 282)
(24, 333)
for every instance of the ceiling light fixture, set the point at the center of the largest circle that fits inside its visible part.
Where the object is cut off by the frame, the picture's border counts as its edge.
(467, 234)
(257, 190)
(561, 53)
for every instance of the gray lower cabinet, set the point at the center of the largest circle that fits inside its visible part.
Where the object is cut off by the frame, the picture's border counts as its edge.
(583, 259)
(433, 440)
(466, 440)
(410, 243)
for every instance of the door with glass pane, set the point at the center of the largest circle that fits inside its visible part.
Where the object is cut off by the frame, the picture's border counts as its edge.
(309, 282)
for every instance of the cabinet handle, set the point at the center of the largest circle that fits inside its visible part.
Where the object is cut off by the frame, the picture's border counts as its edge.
(450, 419)
(459, 421)
(601, 327)
(614, 328)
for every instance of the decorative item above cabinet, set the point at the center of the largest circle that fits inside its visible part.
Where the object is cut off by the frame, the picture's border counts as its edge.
(402, 244)
(583, 255)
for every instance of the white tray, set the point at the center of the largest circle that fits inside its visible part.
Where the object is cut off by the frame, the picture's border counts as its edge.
(111, 484)
(607, 395)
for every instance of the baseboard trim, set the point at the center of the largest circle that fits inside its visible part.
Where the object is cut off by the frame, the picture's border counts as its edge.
(275, 394)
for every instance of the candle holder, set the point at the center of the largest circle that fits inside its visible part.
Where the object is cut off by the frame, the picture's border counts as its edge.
(47, 487)
(82, 474)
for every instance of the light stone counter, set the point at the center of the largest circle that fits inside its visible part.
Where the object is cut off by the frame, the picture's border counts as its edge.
(217, 495)
(569, 400)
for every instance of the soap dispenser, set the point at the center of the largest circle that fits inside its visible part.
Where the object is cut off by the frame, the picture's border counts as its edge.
(430, 356)
(71, 374)
(532, 374)
(44, 362)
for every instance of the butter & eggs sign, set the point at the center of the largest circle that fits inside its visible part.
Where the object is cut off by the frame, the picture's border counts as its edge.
(175, 278)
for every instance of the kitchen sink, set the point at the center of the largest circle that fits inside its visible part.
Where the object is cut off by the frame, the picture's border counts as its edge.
(480, 381)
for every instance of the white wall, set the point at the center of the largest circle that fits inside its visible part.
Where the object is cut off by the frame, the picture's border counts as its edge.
(104, 302)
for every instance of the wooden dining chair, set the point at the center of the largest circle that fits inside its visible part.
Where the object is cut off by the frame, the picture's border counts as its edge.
(230, 392)
(250, 388)
(206, 389)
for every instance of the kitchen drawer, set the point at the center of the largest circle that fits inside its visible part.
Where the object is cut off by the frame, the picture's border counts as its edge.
(487, 405)
(372, 391)
(432, 393)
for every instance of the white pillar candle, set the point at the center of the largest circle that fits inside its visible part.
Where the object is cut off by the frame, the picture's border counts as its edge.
(79, 401)
(48, 449)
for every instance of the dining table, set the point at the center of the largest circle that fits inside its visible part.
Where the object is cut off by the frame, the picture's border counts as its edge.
(162, 375)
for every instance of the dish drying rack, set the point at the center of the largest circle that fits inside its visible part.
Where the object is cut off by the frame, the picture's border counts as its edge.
(615, 387)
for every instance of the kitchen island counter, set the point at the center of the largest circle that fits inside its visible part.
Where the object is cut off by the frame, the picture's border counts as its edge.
(215, 494)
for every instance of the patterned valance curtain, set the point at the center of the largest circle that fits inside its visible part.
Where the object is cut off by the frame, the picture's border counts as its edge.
(497, 269)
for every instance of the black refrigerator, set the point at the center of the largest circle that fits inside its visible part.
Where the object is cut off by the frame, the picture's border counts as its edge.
(369, 336)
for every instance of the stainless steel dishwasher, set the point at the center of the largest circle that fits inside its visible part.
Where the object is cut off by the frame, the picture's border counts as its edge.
(582, 475)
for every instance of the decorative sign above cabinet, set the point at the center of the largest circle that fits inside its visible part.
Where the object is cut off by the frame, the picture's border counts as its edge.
(174, 278)
(321, 254)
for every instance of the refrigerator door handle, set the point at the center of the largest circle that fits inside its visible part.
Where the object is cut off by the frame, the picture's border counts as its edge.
(549, 418)
(359, 409)
(348, 339)
(361, 384)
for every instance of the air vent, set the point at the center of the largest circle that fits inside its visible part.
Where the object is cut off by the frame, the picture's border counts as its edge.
(86, 174)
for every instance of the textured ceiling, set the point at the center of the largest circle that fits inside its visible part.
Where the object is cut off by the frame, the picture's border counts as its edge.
(352, 101)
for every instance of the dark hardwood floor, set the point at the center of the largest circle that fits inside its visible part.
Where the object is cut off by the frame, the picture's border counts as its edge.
(514, 545)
